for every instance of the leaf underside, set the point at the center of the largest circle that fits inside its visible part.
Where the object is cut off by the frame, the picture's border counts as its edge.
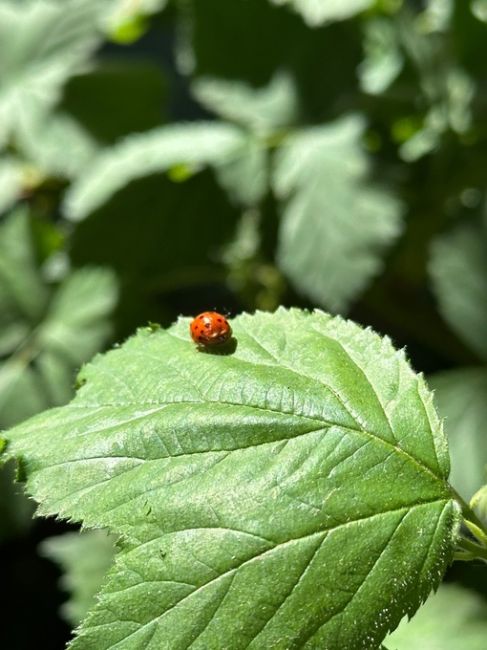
(263, 494)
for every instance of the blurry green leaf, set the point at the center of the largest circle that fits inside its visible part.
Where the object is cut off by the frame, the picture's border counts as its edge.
(317, 12)
(446, 89)
(85, 559)
(58, 147)
(383, 58)
(23, 296)
(45, 335)
(458, 270)
(437, 16)
(258, 40)
(199, 144)
(265, 495)
(124, 19)
(452, 619)
(42, 43)
(479, 9)
(479, 504)
(246, 177)
(335, 224)
(262, 110)
(461, 398)
(11, 182)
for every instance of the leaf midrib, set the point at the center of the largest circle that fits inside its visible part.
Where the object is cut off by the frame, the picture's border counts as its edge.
(325, 425)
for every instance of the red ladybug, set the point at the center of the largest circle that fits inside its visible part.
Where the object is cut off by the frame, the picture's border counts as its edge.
(210, 328)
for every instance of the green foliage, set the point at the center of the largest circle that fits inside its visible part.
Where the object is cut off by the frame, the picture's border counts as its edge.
(248, 486)
(461, 399)
(335, 224)
(166, 158)
(459, 273)
(452, 618)
(192, 146)
(42, 43)
(263, 110)
(316, 12)
(47, 333)
(85, 558)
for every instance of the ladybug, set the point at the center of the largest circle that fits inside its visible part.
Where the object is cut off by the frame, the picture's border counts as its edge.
(210, 328)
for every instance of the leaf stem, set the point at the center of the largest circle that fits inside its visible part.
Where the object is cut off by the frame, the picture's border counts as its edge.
(468, 549)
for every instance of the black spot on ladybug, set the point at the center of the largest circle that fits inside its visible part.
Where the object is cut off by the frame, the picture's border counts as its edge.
(207, 325)
(219, 320)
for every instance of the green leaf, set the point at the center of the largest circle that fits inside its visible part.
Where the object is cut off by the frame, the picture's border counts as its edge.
(11, 182)
(195, 145)
(122, 18)
(458, 270)
(318, 12)
(264, 494)
(45, 334)
(59, 147)
(479, 9)
(262, 110)
(461, 398)
(335, 223)
(451, 619)
(479, 504)
(85, 559)
(383, 58)
(42, 43)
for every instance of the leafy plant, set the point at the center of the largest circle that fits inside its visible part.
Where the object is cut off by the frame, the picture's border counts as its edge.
(292, 489)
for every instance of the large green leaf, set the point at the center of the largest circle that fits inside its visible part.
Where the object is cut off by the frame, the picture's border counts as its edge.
(42, 43)
(461, 398)
(452, 619)
(317, 12)
(45, 334)
(190, 146)
(458, 270)
(85, 559)
(335, 224)
(264, 496)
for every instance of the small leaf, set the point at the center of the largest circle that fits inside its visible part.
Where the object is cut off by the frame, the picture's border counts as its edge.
(318, 12)
(451, 619)
(262, 110)
(461, 398)
(265, 495)
(479, 504)
(124, 20)
(383, 58)
(85, 559)
(335, 224)
(458, 269)
(155, 151)
(57, 147)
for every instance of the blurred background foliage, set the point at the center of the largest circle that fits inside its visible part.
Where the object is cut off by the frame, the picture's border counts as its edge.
(159, 158)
